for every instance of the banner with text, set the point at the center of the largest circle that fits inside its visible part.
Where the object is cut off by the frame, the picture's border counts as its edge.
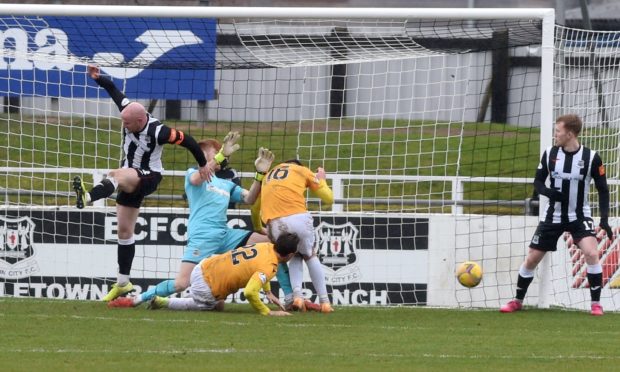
(158, 58)
(374, 260)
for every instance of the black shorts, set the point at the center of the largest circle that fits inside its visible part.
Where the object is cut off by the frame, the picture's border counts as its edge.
(148, 184)
(547, 234)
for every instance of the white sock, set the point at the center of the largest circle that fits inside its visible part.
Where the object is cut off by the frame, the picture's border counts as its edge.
(186, 303)
(318, 278)
(296, 272)
(88, 198)
(594, 269)
(122, 279)
(525, 273)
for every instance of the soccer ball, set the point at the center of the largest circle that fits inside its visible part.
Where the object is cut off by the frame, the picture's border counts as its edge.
(469, 274)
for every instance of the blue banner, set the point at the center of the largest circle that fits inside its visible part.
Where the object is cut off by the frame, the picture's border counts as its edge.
(157, 58)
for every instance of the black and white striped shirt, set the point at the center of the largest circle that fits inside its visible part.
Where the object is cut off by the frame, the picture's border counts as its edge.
(571, 174)
(143, 150)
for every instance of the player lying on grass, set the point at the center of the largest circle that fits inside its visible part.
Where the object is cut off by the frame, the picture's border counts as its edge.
(208, 232)
(252, 267)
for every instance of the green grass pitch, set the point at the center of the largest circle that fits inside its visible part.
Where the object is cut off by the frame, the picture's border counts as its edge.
(55, 335)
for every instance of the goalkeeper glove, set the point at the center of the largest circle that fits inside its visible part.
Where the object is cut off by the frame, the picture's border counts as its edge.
(605, 226)
(264, 160)
(263, 163)
(229, 146)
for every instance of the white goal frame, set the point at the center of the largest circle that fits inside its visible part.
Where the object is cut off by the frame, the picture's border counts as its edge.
(547, 16)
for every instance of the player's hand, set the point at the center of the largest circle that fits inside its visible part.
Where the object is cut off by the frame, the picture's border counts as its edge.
(555, 195)
(94, 71)
(274, 300)
(605, 226)
(264, 160)
(278, 313)
(230, 144)
(320, 174)
(208, 170)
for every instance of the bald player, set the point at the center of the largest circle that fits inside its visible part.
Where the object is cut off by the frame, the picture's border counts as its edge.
(139, 174)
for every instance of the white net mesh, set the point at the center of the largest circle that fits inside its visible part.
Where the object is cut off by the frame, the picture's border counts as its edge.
(429, 131)
(586, 83)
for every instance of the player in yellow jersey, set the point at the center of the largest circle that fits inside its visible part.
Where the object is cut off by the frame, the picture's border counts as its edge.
(283, 209)
(216, 277)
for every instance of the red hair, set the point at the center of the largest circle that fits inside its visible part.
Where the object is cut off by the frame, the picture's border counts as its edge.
(210, 143)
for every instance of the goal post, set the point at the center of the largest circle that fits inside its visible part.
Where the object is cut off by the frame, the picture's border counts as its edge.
(429, 123)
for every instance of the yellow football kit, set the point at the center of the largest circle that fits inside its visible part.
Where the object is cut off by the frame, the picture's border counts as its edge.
(251, 267)
(283, 191)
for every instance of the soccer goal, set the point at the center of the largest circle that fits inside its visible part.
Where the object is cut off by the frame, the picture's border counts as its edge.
(429, 123)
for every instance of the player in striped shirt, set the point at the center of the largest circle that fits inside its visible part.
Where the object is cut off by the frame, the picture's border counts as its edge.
(250, 267)
(570, 168)
(143, 139)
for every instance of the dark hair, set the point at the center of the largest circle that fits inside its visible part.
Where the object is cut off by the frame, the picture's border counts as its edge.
(286, 244)
(294, 161)
(571, 122)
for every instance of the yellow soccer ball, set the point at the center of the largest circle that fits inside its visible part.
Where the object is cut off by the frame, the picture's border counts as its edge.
(469, 274)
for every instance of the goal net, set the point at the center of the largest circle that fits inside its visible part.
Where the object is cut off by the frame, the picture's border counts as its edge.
(429, 123)
(586, 82)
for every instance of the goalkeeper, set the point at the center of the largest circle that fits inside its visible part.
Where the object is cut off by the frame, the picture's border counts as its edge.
(217, 277)
(139, 175)
(208, 231)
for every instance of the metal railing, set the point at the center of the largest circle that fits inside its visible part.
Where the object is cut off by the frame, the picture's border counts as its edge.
(338, 184)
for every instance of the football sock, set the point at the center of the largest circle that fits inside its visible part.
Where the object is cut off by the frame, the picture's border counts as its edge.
(122, 280)
(595, 279)
(318, 277)
(186, 303)
(523, 282)
(125, 252)
(102, 190)
(283, 279)
(163, 289)
(296, 272)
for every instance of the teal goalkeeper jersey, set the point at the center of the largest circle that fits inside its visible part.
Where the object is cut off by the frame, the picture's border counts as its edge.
(208, 203)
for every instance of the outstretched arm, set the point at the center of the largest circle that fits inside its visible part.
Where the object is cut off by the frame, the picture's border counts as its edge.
(323, 191)
(117, 96)
(257, 223)
(262, 164)
(250, 196)
(252, 290)
(177, 137)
